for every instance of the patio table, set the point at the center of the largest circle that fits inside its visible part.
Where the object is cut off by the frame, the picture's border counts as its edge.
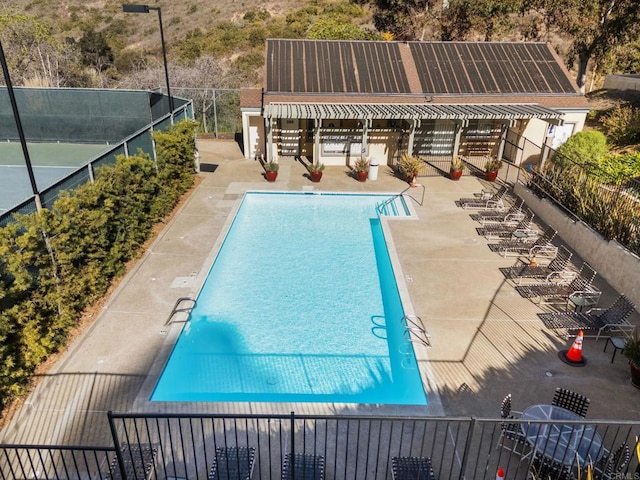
(569, 444)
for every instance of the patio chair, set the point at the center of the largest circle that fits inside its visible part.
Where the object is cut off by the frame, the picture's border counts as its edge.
(510, 229)
(303, 466)
(540, 246)
(514, 213)
(613, 466)
(516, 440)
(572, 401)
(596, 319)
(546, 273)
(412, 468)
(138, 462)
(495, 202)
(548, 469)
(553, 292)
(232, 463)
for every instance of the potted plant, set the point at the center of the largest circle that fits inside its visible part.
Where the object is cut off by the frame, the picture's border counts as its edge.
(271, 171)
(410, 166)
(632, 352)
(491, 168)
(315, 171)
(456, 167)
(361, 167)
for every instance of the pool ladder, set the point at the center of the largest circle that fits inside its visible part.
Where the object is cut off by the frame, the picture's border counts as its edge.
(175, 308)
(389, 207)
(414, 330)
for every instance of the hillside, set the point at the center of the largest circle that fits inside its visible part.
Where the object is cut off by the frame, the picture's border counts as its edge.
(178, 17)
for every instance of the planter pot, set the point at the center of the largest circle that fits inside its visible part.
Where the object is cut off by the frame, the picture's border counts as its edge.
(271, 176)
(455, 174)
(362, 176)
(315, 176)
(635, 374)
(491, 176)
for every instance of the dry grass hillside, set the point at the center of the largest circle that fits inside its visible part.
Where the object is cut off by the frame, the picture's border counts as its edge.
(178, 17)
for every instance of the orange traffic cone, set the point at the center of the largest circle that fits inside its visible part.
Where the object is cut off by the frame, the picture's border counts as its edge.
(500, 474)
(573, 356)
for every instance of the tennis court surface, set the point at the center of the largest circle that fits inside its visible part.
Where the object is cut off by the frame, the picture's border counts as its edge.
(51, 162)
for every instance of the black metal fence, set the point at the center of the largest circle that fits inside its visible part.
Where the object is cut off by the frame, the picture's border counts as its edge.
(608, 205)
(352, 448)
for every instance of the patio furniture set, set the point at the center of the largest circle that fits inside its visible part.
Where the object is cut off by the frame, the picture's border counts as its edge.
(557, 450)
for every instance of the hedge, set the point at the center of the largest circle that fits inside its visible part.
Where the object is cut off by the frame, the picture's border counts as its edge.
(56, 263)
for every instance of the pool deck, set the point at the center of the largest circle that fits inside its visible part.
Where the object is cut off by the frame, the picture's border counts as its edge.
(486, 340)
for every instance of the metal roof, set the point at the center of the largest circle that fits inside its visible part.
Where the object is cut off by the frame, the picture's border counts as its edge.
(489, 68)
(397, 68)
(408, 111)
(316, 66)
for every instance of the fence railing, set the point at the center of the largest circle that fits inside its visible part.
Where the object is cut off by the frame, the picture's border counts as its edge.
(608, 205)
(352, 448)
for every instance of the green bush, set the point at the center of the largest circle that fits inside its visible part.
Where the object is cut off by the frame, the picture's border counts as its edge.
(622, 125)
(55, 264)
(584, 149)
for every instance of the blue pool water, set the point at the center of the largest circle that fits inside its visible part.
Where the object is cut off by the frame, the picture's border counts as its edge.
(300, 305)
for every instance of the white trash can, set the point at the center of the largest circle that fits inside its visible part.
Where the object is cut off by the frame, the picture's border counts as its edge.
(373, 169)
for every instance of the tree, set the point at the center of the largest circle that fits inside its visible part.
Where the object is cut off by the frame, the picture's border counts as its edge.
(95, 52)
(405, 19)
(35, 56)
(596, 27)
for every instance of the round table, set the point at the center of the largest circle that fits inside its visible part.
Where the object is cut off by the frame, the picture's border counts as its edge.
(572, 444)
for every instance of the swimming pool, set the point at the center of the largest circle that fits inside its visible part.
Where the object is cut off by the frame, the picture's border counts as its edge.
(300, 305)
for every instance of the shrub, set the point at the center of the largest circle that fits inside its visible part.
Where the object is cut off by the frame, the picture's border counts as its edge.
(585, 148)
(622, 125)
(56, 263)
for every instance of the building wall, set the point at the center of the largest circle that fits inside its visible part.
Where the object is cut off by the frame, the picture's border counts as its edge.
(622, 82)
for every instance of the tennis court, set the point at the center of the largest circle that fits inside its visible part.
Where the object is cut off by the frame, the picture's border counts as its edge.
(51, 162)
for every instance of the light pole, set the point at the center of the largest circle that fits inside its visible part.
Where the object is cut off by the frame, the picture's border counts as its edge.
(23, 140)
(129, 8)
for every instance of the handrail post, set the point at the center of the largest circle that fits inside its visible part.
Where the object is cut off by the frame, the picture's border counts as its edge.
(467, 447)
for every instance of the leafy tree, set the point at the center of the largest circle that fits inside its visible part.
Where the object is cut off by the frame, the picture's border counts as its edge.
(456, 20)
(596, 27)
(95, 52)
(34, 54)
(492, 17)
(405, 19)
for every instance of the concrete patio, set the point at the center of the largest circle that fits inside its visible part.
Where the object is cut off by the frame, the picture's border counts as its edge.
(487, 341)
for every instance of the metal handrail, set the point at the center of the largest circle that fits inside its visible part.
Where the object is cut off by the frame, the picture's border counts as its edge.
(175, 308)
(411, 325)
(380, 206)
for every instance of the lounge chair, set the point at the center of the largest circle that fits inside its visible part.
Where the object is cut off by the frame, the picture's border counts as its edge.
(597, 319)
(581, 286)
(515, 213)
(232, 463)
(509, 229)
(547, 273)
(138, 462)
(412, 468)
(303, 466)
(540, 247)
(495, 202)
